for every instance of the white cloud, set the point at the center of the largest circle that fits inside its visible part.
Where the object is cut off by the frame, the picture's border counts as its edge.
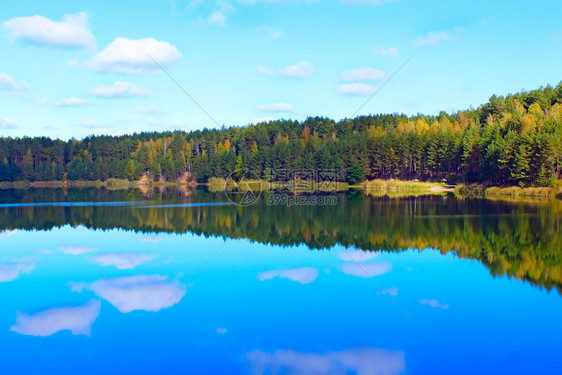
(120, 89)
(222, 330)
(434, 39)
(147, 293)
(304, 275)
(360, 361)
(433, 303)
(10, 272)
(217, 18)
(134, 56)
(356, 89)
(392, 291)
(8, 83)
(72, 102)
(77, 320)
(363, 74)
(122, 261)
(300, 70)
(76, 250)
(390, 52)
(366, 270)
(6, 123)
(277, 107)
(357, 255)
(72, 32)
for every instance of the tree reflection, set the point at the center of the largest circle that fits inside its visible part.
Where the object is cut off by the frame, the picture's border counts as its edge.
(514, 239)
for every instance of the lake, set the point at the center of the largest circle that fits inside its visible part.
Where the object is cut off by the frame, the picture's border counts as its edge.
(183, 281)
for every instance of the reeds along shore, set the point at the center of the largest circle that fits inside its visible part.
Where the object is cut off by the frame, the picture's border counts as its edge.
(379, 187)
(402, 185)
(513, 192)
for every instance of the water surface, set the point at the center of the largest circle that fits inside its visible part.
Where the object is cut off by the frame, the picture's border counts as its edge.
(172, 281)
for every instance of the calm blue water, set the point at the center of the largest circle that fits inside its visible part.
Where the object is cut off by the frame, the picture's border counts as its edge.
(76, 299)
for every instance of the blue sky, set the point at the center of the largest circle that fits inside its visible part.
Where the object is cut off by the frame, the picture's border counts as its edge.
(72, 69)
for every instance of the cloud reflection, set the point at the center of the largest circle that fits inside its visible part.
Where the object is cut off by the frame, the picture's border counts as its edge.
(367, 269)
(78, 320)
(362, 361)
(76, 250)
(304, 275)
(122, 261)
(147, 293)
(10, 272)
(433, 303)
(151, 238)
(7, 233)
(392, 291)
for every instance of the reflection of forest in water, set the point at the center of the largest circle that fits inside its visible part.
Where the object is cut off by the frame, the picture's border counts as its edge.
(518, 239)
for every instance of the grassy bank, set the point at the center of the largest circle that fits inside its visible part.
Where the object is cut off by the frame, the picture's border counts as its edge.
(217, 184)
(405, 186)
(512, 192)
(377, 188)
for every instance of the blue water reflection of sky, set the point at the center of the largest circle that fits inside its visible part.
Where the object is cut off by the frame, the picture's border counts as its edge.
(116, 301)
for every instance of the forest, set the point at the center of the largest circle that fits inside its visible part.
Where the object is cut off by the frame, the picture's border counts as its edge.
(510, 140)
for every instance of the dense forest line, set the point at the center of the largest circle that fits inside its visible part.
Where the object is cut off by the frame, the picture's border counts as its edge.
(512, 140)
(513, 239)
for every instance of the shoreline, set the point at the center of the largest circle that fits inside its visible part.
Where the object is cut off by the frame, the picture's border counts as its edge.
(392, 188)
(509, 192)
(109, 184)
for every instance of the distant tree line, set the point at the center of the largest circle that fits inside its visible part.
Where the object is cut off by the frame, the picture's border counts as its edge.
(512, 140)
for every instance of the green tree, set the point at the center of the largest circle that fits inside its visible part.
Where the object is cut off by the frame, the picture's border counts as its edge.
(355, 174)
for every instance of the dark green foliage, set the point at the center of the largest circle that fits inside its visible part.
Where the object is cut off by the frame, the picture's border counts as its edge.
(10, 172)
(355, 174)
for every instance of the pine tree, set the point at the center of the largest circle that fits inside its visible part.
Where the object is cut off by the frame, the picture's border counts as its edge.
(28, 170)
(520, 171)
(355, 174)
